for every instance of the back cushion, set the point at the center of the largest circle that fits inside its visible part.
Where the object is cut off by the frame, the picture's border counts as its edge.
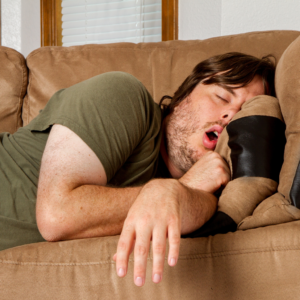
(13, 85)
(161, 67)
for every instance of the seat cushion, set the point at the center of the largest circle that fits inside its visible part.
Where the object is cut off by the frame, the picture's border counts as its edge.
(260, 263)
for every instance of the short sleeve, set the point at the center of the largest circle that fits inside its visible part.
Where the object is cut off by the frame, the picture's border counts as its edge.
(113, 114)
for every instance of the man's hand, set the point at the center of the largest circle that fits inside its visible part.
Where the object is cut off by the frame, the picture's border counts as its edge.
(167, 208)
(208, 174)
(164, 209)
(156, 215)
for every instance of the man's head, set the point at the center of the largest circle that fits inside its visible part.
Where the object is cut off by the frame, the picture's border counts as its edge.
(206, 102)
(229, 69)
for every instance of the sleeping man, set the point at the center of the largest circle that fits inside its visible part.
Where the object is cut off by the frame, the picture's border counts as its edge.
(103, 159)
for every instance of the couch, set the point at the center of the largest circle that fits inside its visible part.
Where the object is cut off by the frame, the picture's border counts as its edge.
(257, 263)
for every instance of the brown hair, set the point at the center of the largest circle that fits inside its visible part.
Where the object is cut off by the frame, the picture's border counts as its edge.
(228, 69)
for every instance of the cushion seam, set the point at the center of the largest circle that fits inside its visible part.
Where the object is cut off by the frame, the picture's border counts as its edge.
(186, 257)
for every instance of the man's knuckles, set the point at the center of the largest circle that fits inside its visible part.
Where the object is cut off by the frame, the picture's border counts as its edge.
(159, 249)
(122, 247)
(173, 220)
(141, 250)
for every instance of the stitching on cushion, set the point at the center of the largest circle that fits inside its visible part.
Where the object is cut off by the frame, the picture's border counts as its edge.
(238, 252)
(187, 257)
(11, 262)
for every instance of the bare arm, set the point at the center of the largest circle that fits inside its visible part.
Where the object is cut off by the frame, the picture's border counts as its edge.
(72, 199)
(73, 202)
(168, 208)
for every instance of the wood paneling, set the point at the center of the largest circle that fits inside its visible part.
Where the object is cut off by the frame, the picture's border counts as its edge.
(169, 20)
(51, 24)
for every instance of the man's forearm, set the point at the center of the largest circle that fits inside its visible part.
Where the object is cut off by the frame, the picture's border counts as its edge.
(94, 211)
(86, 211)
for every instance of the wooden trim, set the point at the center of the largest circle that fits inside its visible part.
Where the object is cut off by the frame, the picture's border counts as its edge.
(51, 24)
(169, 20)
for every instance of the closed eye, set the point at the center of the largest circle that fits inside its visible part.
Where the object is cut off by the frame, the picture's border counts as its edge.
(222, 99)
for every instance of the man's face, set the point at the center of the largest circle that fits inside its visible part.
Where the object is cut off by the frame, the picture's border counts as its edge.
(194, 126)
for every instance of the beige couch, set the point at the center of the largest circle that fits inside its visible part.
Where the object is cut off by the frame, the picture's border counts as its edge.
(260, 263)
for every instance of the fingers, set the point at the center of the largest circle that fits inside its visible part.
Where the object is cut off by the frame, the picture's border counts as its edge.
(221, 169)
(141, 251)
(159, 250)
(124, 249)
(174, 243)
(151, 217)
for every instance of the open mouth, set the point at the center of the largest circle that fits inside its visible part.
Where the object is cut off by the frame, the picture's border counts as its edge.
(213, 135)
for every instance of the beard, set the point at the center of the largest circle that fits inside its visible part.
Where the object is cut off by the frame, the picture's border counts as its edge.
(183, 123)
(180, 128)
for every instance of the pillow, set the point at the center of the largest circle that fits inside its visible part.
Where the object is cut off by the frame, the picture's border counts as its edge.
(284, 206)
(253, 145)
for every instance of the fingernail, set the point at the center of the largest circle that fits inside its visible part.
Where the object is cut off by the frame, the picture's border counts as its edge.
(172, 262)
(121, 272)
(156, 278)
(139, 281)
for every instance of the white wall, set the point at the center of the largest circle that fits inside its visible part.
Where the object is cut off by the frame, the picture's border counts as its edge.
(201, 19)
(21, 25)
(30, 26)
(11, 24)
(198, 19)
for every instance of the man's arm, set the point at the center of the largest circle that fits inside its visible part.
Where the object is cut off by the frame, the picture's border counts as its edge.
(72, 200)
(167, 208)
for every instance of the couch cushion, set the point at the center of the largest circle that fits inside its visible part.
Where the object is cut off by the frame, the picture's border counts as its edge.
(161, 67)
(260, 263)
(13, 85)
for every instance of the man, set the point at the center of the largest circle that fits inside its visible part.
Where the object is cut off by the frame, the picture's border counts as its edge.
(96, 146)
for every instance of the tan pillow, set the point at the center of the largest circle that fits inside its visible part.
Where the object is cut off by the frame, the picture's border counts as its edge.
(253, 145)
(13, 85)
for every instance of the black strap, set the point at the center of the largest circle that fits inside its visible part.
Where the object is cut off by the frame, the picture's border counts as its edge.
(257, 146)
(219, 223)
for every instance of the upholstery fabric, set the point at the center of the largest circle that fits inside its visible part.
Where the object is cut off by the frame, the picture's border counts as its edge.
(243, 194)
(161, 67)
(241, 265)
(287, 81)
(13, 86)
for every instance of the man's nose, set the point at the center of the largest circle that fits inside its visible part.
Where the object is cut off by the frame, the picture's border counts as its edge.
(229, 114)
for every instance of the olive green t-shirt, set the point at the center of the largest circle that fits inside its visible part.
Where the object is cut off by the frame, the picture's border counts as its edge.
(112, 113)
